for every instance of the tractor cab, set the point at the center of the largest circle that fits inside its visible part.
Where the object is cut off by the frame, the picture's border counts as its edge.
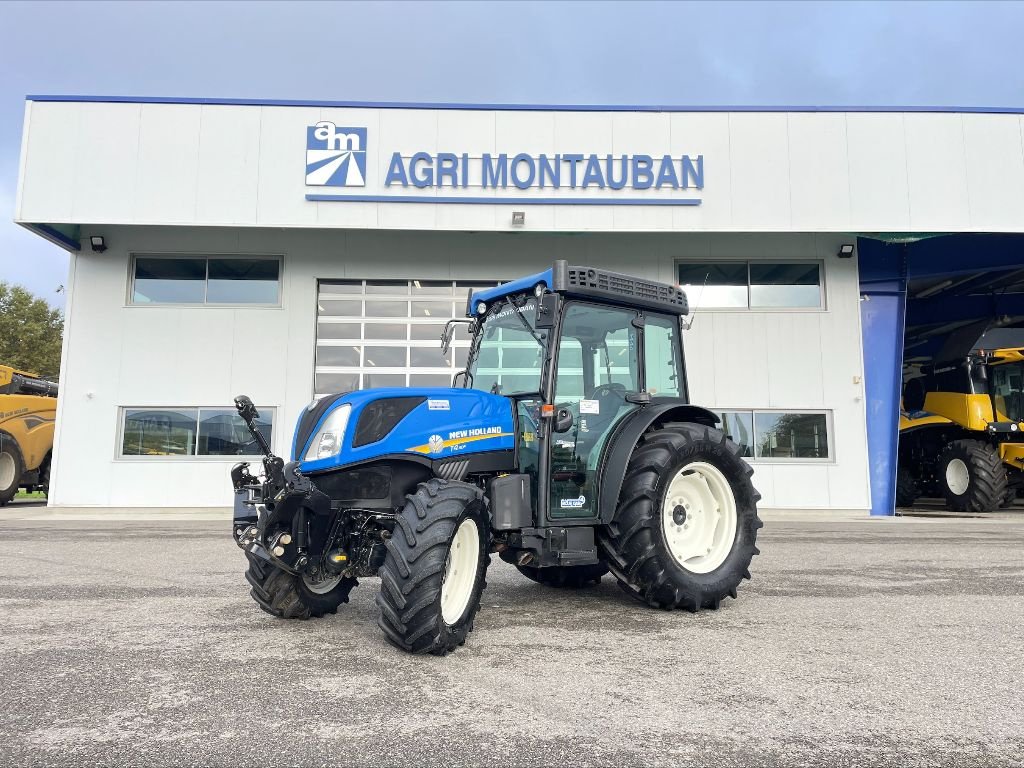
(594, 356)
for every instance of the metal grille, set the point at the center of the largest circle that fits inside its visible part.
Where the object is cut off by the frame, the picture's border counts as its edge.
(611, 282)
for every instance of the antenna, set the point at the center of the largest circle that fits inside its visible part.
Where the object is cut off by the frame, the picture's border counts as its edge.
(693, 315)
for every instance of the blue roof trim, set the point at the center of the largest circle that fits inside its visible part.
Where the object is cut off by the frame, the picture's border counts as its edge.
(516, 107)
(55, 237)
(502, 200)
(522, 284)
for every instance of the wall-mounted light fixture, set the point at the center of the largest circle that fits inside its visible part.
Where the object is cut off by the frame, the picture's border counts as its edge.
(99, 245)
(845, 251)
(518, 218)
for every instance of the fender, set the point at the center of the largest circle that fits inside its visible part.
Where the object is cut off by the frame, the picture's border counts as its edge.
(625, 438)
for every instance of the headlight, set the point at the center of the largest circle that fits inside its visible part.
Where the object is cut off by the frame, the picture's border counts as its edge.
(327, 441)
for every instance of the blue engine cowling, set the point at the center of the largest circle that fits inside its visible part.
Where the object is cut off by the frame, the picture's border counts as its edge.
(434, 423)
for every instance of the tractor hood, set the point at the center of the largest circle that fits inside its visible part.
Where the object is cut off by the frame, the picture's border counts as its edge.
(435, 423)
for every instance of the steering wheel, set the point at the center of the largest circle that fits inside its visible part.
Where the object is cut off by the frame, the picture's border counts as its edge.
(603, 390)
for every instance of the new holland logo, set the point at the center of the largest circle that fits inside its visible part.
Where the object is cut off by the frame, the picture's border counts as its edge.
(436, 443)
(335, 157)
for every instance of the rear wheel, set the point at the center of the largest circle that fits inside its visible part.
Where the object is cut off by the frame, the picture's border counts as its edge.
(906, 488)
(569, 576)
(12, 467)
(972, 477)
(288, 596)
(435, 568)
(685, 529)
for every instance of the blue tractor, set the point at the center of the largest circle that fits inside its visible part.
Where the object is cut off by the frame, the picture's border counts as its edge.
(568, 446)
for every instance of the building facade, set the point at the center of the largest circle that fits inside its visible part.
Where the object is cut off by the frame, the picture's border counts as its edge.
(289, 250)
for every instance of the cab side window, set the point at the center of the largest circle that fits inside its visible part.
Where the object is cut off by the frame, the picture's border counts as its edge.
(661, 352)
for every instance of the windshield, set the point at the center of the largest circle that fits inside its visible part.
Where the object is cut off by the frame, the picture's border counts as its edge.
(507, 355)
(1007, 387)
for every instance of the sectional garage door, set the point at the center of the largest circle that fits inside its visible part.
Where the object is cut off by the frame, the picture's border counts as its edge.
(386, 333)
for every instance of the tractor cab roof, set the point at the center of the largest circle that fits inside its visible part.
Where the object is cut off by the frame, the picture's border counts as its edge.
(1002, 344)
(592, 283)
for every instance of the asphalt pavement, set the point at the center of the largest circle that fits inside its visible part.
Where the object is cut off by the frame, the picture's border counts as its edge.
(885, 642)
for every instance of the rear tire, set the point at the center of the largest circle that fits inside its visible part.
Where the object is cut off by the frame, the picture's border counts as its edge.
(568, 576)
(971, 476)
(12, 468)
(288, 596)
(679, 474)
(906, 488)
(435, 568)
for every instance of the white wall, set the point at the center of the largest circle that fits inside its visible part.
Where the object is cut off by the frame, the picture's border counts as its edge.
(120, 355)
(227, 165)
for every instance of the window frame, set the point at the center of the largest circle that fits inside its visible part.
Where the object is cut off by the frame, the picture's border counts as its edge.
(206, 256)
(755, 459)
(822, 283)
(459, 346)
(122, 411)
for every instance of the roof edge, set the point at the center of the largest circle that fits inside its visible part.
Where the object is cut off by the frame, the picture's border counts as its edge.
(512, 107)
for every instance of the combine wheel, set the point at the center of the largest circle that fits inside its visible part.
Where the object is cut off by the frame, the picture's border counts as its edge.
(12, 467)
(972, 477)
(685, 529)
(287, 596)
(570, 576)
(435, 568)
(906, 488)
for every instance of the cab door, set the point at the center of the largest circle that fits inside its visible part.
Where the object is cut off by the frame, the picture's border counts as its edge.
(597, 367)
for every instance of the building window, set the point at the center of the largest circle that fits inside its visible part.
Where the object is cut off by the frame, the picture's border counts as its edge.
(190, 432)
(779, 434)
(387, 333)
(227, 280)
(752, 284)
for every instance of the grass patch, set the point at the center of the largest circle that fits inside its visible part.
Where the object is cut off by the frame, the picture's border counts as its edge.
(38, 495)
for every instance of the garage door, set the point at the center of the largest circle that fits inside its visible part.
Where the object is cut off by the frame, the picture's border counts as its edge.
(386, 333)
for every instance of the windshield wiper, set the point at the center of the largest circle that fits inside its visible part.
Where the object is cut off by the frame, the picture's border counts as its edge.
(526, 324)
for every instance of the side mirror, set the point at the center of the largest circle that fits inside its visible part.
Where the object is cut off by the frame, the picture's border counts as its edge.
(563, 420)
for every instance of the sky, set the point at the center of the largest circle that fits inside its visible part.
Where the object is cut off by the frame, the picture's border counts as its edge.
(696, 54)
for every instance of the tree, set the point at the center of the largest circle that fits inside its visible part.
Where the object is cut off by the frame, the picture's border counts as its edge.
(30, 332)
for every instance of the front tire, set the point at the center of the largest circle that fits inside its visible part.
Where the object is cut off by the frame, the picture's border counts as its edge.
(435, 568)
(12, 467)
(972, 477)
(568, 576)
(685, 529)
(906, 488)
(288, 596)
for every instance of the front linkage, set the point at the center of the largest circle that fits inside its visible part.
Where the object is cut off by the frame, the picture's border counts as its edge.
(286, 521)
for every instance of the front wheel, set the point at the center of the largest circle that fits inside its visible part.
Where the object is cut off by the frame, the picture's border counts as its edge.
(685, 529)
(435, 568)
(12, 467)
(972, 476)
(288, 596)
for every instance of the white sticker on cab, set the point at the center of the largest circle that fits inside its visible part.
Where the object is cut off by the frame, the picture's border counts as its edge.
(439, 405)
(590, 406)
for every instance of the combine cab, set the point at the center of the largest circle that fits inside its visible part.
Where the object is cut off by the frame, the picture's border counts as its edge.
(962, 427)
(28, 411)
(568, 446)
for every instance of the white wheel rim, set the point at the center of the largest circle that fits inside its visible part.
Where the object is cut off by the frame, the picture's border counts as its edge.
(958, 477)
(321, 587)
(699, 517)
(7, 477)
(460, 571)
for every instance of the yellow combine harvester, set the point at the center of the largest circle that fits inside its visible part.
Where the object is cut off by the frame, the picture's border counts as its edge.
(28, 411)
(962, 430)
